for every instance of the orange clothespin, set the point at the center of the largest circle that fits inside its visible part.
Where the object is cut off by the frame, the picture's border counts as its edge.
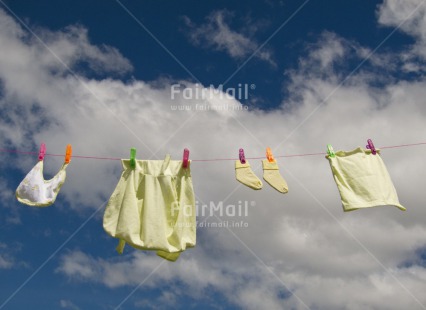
(68, 154)
(269, 155)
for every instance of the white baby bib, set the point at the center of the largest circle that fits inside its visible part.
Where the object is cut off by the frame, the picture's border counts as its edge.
(34, 190)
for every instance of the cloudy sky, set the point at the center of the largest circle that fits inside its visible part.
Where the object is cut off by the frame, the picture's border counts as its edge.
(99, 75)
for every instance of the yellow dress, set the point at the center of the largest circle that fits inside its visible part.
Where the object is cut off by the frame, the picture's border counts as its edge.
(153, 208)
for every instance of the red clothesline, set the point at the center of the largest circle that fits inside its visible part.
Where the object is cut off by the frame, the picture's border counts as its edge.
(195, 160)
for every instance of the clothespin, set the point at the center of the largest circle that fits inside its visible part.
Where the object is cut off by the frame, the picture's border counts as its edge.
(42, 151)
(269, 155)
(133, 157)
(370, 146)
(185, 158)
(242, 157)
(68, 153)
(330, 151)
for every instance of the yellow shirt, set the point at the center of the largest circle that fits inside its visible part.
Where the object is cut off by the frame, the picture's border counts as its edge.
(363, 180)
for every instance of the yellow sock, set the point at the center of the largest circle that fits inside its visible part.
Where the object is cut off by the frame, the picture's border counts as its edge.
(272, 175)
(246, 176)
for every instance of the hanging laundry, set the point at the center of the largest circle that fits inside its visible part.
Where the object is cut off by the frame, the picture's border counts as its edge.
(153, 207)
(34, 190)
(271, 174)
(362, 179)
(246, 176)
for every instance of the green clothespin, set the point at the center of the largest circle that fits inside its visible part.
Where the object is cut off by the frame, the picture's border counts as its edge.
(133, 157)
(330, 151)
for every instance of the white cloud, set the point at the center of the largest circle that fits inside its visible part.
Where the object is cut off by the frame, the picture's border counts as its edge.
(166, 300)
(333, 58)
(195, 277)
(410, 14)
(410, 17)
(5, 193)
(245, 282)
(72, 46)
(302, 246)
(5, 262)
(79, 265)
(68, 304)
(10, 213)
(216, 33)
(7, 259)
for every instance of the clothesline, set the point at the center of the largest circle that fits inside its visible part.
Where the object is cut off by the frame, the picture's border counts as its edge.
(203, 160)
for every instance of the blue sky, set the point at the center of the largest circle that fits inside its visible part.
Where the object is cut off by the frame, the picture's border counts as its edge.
(99, 75)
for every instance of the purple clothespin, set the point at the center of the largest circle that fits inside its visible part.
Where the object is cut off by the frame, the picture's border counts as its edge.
(370, 146)
(242, 157)
(185, 158)
(42, 151)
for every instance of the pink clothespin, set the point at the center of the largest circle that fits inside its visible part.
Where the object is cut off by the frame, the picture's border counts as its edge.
(242, 157)
(68, 154)
(370, 146)
(42, 151)
(185, 158)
